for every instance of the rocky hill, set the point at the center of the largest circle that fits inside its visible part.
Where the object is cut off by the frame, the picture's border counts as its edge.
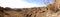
(49, 11)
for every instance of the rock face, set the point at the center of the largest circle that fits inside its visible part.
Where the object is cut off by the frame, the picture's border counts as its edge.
(1, 12)
(48, 11)
(52, 10)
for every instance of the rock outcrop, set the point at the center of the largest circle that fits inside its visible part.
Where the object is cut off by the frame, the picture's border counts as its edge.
(52, 10)
(1, 12)
(48, 11)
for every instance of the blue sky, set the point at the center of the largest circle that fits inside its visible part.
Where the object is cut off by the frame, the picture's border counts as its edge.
(39, 2)
(22, 3)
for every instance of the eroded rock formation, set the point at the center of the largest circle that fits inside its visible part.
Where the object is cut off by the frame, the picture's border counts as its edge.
(52, 10)
(34, 12)
(1, 12)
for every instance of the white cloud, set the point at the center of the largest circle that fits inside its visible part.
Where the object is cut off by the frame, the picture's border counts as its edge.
(16, 4)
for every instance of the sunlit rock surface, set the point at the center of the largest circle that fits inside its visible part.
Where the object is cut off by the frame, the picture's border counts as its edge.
(48, 11)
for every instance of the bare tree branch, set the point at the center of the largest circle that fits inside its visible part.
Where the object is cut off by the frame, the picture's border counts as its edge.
(46, 2)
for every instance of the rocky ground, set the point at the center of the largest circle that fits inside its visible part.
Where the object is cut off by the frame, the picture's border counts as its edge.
(49, 11)
(33, 12)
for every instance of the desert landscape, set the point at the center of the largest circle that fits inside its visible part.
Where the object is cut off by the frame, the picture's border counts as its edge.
(52, 10)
